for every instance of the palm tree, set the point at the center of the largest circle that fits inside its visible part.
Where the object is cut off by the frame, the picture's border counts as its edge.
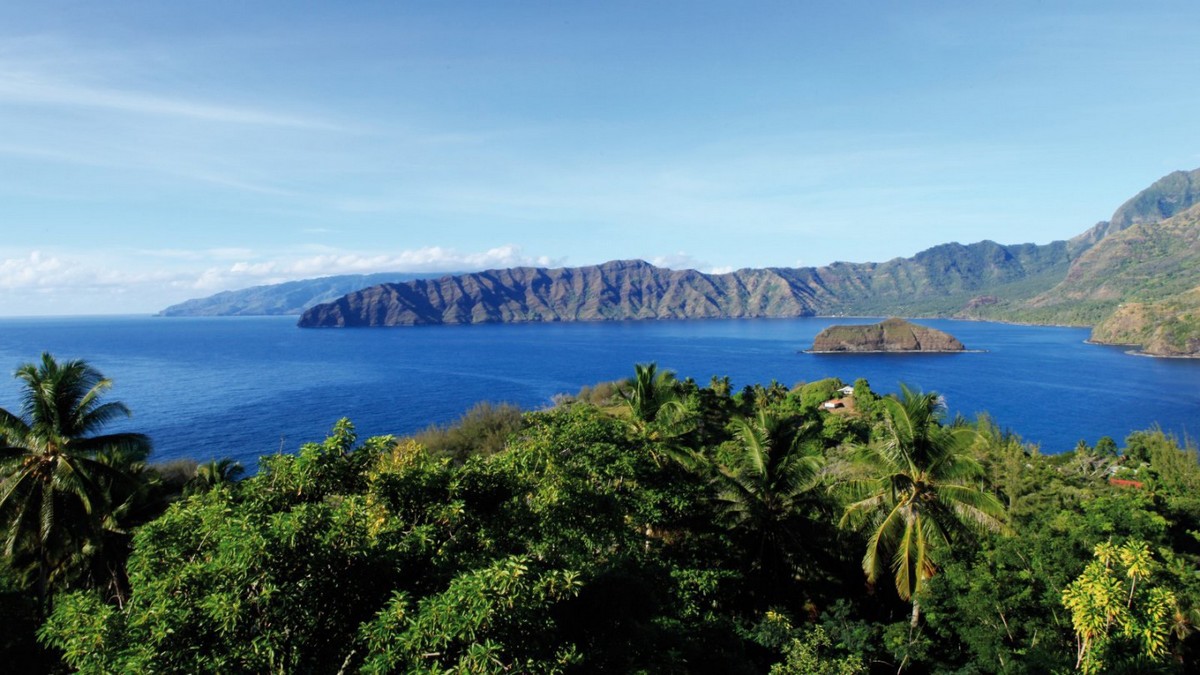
(651, 390)
(920, 494)
(56, 496)
(661, 414)
(765, 493)
(216, 472)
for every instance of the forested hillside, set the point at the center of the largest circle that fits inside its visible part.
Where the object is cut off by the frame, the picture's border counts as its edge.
(1135, 278)
(649, 525)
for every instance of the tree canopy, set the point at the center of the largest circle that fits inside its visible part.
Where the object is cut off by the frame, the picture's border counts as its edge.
(746, 532)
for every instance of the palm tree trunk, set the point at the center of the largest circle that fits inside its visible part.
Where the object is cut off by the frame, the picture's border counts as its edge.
(912, 629)
(43, 580)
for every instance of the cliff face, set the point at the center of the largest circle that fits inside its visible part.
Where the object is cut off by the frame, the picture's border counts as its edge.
(893, 335)
(612, 291)
(931, 282)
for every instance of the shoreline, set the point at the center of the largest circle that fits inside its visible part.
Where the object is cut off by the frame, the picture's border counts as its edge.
(902, 352)
(1185, 357)
(1133, 351)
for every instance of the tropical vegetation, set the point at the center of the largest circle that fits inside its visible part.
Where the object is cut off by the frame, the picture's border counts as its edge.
(651, 525)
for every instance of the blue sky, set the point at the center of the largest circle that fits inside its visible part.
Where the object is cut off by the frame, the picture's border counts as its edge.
(152, 152)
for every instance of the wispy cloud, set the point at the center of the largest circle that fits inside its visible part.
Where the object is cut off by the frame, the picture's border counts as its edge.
(23, 86)
(69, 104)
(208, 254)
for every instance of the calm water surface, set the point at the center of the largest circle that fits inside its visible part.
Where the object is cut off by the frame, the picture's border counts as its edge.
(244, 387)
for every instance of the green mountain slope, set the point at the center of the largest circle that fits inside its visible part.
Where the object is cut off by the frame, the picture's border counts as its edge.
(1137, 284)
(941, 281)
(1174, 193)
(1150, 273)
(617, 290)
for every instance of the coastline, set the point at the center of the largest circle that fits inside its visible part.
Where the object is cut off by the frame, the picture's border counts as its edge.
(903, 352)
(1133, 351)
(1185, 357)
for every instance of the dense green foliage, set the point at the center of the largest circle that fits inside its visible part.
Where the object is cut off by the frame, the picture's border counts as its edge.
(484, 429)
(652, 526)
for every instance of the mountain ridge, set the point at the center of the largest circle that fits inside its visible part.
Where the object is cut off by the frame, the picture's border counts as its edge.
(634, 289)
(1174, 192)
(1132, 277)
(1139, 284)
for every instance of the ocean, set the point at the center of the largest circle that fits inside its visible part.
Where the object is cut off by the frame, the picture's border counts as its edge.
(245, 387)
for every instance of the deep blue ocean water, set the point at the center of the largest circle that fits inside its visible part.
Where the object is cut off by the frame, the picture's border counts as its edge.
(244, 387)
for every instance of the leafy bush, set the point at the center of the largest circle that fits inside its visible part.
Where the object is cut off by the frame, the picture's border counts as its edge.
(482, 430)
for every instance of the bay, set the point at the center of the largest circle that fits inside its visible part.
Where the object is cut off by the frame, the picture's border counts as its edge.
(245, 387)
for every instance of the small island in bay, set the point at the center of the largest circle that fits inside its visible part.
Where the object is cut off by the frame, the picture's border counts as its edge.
(892, 335)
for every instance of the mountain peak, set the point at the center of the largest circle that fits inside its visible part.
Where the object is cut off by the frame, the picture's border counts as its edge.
(634, 264)
(1172, 194)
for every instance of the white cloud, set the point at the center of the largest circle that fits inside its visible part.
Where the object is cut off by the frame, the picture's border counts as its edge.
(57, 272)
(61, 283)
(427, 259)
(28, 271)
(198, 254)
(676, 261)
(40, 282)
(685, 261)
(332, 262)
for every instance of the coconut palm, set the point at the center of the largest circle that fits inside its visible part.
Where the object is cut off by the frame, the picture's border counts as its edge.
(216, 472)
(765, 492)
(651, 390)
(920, 493)
(660, 414)
(56, 496)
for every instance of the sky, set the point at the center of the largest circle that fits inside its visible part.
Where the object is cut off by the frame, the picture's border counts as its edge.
(152, 152)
